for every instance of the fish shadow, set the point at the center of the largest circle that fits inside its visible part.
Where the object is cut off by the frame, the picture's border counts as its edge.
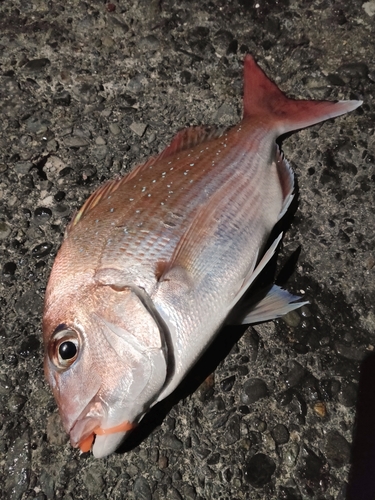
(361, 484)
(223, 343)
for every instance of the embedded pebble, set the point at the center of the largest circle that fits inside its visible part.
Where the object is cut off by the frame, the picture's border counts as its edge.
(292, 319)
(23, 167)
(16, 402)
(290, 454)
(232, 430)
(149, 42)
(93, 479)
(227, 383)
(42, 250)
(76, 142)
(138, 128)
(350, 352)
(337, 449)
(37, 64)
(6, 385)
(9, 269)
(259, 469)
(141, 489)
(369, 8)
(114, 128)
(171, 441)
(4, 230)
(348, 394)
(56, 434)
(253, 390)
(295, 374)
(280, 434)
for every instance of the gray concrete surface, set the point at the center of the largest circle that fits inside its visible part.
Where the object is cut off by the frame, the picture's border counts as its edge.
(89, 89)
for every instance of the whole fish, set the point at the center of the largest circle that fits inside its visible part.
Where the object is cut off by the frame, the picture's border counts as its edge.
(153, 264)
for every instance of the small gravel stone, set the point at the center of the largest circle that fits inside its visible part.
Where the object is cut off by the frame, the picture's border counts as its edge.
(42, 250)
(280, 434)
(42, 215)
(16, 402)
(138, 128)
(295, 374)
(259, 470)
(29, 345)
(62, 98)
(232, 431)
(37, 64)
(227, 384)
(348, 394)
(37, 126)
(290, 454)
(149, 42)
(100, 152)
(56, 434)
(29, 303)
(6, 385)
(170, 441)
(185, 77)
(23, 167)
(141, 489)
(47, 483)
(9, 269)
(76, 142)
(136, 83)
(173, 494)
(114, 129)
(4, 230)
(292, 319)
(253, 390)
(351, 70)
(314, 467)
(350, 352)
(337, 449)
(93, 479)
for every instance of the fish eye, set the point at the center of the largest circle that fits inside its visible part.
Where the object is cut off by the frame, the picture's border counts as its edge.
(64, 347)
(67, 350)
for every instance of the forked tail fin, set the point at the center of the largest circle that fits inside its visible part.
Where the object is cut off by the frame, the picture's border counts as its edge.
(263, 98)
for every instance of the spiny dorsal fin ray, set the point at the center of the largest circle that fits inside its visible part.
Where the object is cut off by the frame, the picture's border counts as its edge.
(105, 190)
(185, 139)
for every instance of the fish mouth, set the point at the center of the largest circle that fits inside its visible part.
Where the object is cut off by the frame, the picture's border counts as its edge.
(88, 425)
(82, 432)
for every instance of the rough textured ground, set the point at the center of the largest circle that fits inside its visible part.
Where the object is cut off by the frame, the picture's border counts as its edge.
(89, 89)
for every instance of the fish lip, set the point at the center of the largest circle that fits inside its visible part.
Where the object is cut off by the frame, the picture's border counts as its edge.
(89, 419)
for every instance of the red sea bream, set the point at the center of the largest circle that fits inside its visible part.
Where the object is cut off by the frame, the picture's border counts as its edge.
(153, 264)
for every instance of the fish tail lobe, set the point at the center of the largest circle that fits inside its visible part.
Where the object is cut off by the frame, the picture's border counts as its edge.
(263, 98)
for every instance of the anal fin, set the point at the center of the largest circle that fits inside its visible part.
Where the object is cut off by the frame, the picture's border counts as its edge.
(275, 304)
(254, 272)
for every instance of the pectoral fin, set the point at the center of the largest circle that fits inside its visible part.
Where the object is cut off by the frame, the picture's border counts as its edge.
(276, 303)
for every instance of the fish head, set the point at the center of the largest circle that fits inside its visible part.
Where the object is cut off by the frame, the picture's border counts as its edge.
(104, 359)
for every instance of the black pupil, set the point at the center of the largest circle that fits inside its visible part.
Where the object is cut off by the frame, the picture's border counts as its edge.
(67, 350)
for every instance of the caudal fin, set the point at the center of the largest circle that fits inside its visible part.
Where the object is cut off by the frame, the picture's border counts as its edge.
(263, 98)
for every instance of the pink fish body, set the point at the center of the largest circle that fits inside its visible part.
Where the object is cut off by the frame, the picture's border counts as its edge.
(152, 264)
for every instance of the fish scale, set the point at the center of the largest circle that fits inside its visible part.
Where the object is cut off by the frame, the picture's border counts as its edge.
(155, 263)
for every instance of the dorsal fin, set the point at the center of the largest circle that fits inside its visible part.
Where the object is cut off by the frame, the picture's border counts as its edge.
(185, 139)
(105, 190)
